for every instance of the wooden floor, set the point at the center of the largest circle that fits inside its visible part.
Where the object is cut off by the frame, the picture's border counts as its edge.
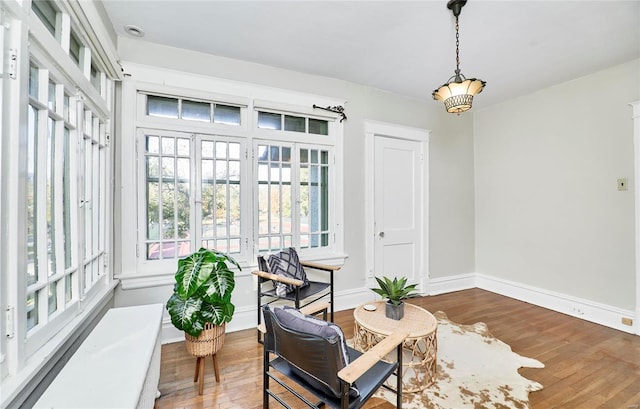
(586, 365)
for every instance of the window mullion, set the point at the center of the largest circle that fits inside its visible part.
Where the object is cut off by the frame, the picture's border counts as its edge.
(42, 162)
(295, 195)
(63, 30)
(58, 191)
(195, 202)
(81, 197)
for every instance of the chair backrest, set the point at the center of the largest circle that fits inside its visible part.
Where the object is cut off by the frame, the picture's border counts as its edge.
(313, 357)
(262, 264)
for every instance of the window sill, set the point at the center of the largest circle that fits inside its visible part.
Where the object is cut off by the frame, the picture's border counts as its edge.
(13, 385)
(133, 281)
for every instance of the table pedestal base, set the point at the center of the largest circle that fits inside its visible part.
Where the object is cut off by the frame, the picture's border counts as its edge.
(419, 360)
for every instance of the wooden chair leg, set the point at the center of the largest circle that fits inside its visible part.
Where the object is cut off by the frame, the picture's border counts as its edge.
(215, 367)
(201, 366)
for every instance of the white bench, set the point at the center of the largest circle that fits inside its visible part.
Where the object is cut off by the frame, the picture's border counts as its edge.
(117, 365)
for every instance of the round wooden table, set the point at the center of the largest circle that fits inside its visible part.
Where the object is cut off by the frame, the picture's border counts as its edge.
(419, 349)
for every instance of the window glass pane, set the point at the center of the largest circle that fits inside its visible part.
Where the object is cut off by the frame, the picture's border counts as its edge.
(31, 188)
(221, 197)
(294, 123)
(286, 154)
(52, 97)
(162, 107)
(33, 81)
(46, 12)
(168, 190)
(234, 151)
(183, 147)
(207, 149)
(153, 215)
(274, 153)
(314, 198)
(96, 78)
(262, 152)
(53, 297)
(275, 198)
(319, 127)
(221, 150)
(168, 146)
(153, 144)
(65, 108)
(32, 310)
(196, 111)
(50, 194)
(225, 114)
(267, 120)
(74, 48)
(68, 287)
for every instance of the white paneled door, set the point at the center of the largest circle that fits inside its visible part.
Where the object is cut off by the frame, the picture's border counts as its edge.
(399, 206)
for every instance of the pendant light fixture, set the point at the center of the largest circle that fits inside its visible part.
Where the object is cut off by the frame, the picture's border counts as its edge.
(457, 94)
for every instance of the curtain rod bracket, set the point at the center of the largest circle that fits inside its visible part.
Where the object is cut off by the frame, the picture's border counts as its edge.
(337, 109)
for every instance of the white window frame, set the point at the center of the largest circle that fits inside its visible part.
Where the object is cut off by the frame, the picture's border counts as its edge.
(297, 140)
(86, 128)
(3, 304)
(27, 352)
(137, 272)
(195, 197)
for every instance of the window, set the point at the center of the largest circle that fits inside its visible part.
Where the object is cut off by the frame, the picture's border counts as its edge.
(56, 198)
(48, 191)
(63, 161)
(252, 190)
(168, 188)
(189, 110)
(53, 274)
(170, 160)
(275, 121)
(292, 214)
(46, 12)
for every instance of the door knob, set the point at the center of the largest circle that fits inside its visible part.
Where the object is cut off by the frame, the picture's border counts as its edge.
(381, 234)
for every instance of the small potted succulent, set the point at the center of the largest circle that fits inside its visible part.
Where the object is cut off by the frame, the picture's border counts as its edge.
(201, 301)
(395, 291)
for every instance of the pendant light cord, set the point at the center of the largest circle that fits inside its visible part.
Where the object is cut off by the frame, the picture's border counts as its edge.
(457, 48)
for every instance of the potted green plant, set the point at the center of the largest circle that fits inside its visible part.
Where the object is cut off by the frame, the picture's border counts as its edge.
(395, 291)
(201, 299)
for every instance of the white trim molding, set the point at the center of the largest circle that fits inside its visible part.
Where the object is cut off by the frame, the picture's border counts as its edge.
(602, 314)
(576, 307)
(443, 285)
(636, 185)
(373, 128)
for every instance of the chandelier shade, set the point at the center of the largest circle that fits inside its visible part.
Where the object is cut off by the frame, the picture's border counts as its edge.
(457, 94)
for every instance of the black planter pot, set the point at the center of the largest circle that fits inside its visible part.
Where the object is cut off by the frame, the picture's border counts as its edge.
(395, 312)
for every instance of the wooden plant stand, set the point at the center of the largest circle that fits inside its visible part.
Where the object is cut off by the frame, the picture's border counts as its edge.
(208, 343)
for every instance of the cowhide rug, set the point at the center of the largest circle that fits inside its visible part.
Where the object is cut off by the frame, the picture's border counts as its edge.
(475, 370)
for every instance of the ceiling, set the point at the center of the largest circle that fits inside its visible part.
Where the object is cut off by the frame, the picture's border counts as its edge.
(405, 47)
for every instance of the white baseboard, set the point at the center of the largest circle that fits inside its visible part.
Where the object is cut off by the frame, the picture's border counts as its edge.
(576, 307)
(245, 318)
(451, 284)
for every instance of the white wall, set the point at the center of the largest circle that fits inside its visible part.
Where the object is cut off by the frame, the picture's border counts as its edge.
(451, 173)
(548, 212)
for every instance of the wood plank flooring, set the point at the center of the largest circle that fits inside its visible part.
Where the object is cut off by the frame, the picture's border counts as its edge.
(586, 365)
